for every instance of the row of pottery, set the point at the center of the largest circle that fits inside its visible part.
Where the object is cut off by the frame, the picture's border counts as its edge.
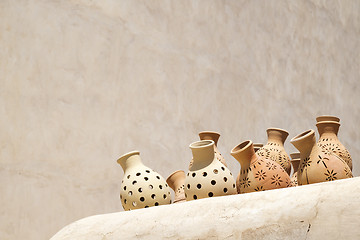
(263, 167)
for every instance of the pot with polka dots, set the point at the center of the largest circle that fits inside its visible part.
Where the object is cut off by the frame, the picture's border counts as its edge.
(257, 173)
(176, 181)
(316, 163)
(141, 187)
(207, 176)
(274, 148)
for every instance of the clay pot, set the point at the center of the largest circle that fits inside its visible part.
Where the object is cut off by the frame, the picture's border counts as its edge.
(209, 135)
(177, 182)
(327, 118)
(328, 140)
(141, 187)
(316, 163)
(207, 176)
(257, 173)
(257, 146)
(295, 161)
(274, 148)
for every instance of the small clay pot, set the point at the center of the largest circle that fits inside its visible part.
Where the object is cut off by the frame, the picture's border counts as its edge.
(327, 118)
(316, 163)
(295, 161)
(328, 140)
(274, 148)
(176, 181)
(207, 177)
(257, 173)
(257, 146)
(210, 135)
(141, 187)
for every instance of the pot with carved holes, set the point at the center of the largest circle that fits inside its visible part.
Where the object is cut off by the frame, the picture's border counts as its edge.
(141, 187)
(257, 173)
(316, 163)
(274, 148)
(207, 177)
(176, 181)
(328, 140)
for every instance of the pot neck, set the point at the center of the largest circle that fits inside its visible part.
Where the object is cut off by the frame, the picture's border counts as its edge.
(203, 152)
(244, 153)
(328, 128)
(304, 142)
(207, 135)
(277, 135)
(129, 160)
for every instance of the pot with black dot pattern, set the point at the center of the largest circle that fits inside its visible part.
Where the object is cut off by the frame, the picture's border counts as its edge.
(207, 176)
(141, 187)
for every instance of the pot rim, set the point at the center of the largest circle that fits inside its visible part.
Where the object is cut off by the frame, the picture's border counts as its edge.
(201, 144)
(240, 147)
(126, 155)
(302, 135)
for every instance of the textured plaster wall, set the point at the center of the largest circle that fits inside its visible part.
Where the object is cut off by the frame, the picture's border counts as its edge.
(83, 82)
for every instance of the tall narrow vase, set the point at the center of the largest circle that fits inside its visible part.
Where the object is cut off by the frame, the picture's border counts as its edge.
(207, 176)
(176, 181)
(295, 161)
(316, 163)
(328, 140)
(274, 148)
(141, 187)
(257, 173)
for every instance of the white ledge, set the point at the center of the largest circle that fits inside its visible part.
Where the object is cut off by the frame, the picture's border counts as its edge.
(319, 211)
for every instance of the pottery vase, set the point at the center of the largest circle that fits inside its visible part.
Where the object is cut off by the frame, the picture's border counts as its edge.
(316, 163)
(295, 161)
(207, 176)
(274, 148)
(257, 173)
(257, 146)
(141, 187)
(328, 140)
(209, 135)
(177, 182)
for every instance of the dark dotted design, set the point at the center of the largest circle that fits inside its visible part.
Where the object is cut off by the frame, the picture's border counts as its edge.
(210, 194)
(130, 193)
(134, 182)
(188, 186)
(204, 174)
(146, 178)
(195, 197)
(198, 186)
(225, 179)
(164, 196)
(148, 171)
(222, 168)
(153, 196)
(124, 188)
(151, 186)
(216, 171)
(225, 190)
(156, 204)
(157, 177)
(194, 174)
(213, 182)
(160, 186)
(140, 190)
(128, 176)
(142, 199)
(138, 174)
(146, 206)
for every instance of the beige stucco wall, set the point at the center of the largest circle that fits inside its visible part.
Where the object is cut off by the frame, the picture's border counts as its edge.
(83, 82)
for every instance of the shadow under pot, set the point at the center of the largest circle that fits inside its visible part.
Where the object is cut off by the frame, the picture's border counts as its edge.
(316, 163)
(176, 181)
(257, 173)
(141, 187)
(274, 148)
(207, 176)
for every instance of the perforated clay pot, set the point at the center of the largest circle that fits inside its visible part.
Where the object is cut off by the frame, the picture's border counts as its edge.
(274, 149)
(141, 187)
(295, 161)
(210, 135)
(316, 163)
(257, 173)
(176, 181)
(328, 140)
(207, 176)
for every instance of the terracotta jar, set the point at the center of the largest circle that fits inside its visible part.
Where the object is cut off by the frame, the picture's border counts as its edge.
(209, 135)
(177, 182)
(257, 146)
(257, 173)
(316, 163)
(327, 118)
(328, 140)
(274, 148)
(295, 161)
(207, 176)
(141, 187)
